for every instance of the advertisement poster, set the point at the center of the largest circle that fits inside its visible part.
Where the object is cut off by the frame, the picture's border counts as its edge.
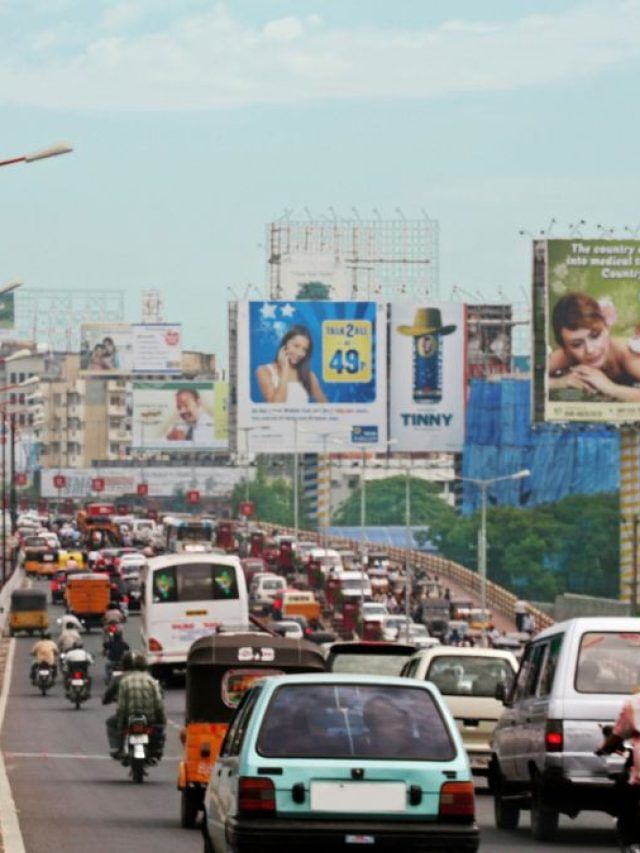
(176, 415)
(157, 348)
(216, 482)
(427, 381)
(306, 369)
(591, 331)
(7, 311)
(106, 348)
(489, 329)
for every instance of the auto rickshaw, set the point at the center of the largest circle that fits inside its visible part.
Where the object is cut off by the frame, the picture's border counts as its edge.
(88, 595)
(28, 611)
(38, 556)
(220, 668)
(73, 554)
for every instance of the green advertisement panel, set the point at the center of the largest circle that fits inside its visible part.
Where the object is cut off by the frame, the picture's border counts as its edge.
(7, 311)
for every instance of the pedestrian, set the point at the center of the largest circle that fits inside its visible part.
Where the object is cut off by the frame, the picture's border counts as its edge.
(528, 624)
(520, 611)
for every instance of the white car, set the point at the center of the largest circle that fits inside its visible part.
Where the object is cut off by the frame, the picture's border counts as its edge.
(394, 627)
(373, 611)
(420, 638)
(289, 628)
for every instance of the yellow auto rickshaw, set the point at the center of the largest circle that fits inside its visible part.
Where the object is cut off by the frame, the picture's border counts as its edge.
(73, 554)
(220, 669)
(39, 557)
(28, 612)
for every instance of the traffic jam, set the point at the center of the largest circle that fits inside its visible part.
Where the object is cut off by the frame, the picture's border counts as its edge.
(328, 702)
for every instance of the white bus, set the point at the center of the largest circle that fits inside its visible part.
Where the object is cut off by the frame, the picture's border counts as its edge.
(187, 596)
(190, 534)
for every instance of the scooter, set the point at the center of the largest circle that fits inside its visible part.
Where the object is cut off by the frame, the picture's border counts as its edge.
(137, 746)
(78, 686)
(44, 677)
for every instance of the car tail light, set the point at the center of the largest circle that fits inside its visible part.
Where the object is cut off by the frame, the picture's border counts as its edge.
(457, 802)
(155, 645)
(554, 738)
(256, 795)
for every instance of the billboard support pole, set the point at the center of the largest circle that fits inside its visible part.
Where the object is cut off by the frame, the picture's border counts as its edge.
(295, 478)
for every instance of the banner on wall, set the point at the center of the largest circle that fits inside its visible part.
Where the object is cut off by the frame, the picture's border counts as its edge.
(121, 349)
(310, 369)
(180, 414)
(160, 482)
(427, 377)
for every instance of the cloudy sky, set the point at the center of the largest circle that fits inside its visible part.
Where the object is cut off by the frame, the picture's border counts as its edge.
(196, 122)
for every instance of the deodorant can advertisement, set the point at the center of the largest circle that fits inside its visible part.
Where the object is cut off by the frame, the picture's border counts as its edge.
(427, 376)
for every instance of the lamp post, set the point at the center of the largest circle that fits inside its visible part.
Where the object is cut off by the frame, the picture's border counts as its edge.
(408, 572)
(484, 485)
(41, 154)
(325, 438)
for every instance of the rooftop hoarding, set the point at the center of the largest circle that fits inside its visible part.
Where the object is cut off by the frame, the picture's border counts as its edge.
(122, 349)
(180, 414)
(587, 331)
(489, 339)
(427, 377)
(310, 373)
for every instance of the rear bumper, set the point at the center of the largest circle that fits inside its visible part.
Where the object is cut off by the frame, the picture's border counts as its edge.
(246, 835)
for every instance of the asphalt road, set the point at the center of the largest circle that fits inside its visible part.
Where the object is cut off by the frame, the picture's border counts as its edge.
(71, 796)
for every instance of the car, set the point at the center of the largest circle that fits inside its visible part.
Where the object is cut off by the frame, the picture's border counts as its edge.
(420, 637)
(573, 680)
(393, 627)
(322, 762)
(368, 657)
(288, 628)
(468, 679)
(264, 589)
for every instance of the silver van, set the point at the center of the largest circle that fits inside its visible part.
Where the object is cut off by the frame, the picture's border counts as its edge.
(573, 680)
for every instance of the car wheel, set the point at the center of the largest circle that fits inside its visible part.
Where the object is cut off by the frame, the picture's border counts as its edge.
(506, 813)
(544, 818)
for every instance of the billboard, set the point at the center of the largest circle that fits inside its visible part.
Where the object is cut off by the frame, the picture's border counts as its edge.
(7, 311)
(180, 414)
(427, 376)
(217, 482)
(157, 348)
(306, 368)
(489, 330)
(587, 331)
(106, 348)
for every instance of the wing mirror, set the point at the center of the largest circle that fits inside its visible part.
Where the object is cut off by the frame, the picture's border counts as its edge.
(502, 693)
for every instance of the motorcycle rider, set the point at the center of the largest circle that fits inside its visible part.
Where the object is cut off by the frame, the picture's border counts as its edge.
(71, 622)
(113, 615)
(77, 658)
(137, 692)
(114, 648)
(627, 726)
(67, 639)
(44, 651)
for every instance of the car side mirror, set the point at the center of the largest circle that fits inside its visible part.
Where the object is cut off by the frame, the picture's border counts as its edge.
(501, 693)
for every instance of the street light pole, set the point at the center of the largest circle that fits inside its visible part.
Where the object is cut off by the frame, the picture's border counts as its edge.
(13, 495)
(295, 478)
(408, 579)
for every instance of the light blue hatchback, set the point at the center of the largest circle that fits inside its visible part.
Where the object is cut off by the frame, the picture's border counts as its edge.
(335, 762)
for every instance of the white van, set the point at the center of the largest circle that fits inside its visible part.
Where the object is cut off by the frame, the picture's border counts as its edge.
(187, 596)
(573, 680)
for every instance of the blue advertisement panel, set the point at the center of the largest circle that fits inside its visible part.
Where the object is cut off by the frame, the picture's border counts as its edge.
(317, 369)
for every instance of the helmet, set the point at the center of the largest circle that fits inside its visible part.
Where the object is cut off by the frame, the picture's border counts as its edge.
(139, 661)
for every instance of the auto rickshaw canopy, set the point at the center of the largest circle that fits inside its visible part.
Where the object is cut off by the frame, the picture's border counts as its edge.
(23, 600)
(221, 667)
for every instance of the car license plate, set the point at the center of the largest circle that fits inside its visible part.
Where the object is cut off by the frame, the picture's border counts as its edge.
(77, 682)
(358, 797)
(359, 839)
(138, 738)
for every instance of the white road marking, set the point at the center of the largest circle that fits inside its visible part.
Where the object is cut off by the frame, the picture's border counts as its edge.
(9, 823)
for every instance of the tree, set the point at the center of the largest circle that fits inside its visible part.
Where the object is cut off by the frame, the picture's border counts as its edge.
(314, 290)
(272, 496)
(385, 504)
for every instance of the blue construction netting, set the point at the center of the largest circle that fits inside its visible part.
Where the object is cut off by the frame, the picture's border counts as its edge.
(576, 459)
(394, 535)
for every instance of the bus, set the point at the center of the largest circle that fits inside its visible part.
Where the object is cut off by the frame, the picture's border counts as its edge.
(190, 534)
(187, 596)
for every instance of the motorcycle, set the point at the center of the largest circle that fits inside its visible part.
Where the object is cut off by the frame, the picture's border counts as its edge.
(138, 747)
(44, 677)
(78, 686)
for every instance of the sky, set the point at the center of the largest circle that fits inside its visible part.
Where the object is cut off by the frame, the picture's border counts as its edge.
(195, 123)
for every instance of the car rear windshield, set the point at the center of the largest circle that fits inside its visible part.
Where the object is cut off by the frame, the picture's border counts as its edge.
(369, 664)
(194, 582)
(354, 721)
(466, 675)
(608, 662)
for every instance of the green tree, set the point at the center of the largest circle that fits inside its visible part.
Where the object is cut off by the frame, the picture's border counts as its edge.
(273, 498)
(314, 290)
(385, 504)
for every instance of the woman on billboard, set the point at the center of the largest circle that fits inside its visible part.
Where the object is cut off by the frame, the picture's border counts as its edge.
(589, 358)
(289, 378)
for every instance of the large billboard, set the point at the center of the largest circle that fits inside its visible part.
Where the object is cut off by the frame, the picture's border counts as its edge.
(427, 378)
(180, 414)
(308, 369)
(161, 482)
(591, 331)
(121, 349)
(106, 348)
(489, 331)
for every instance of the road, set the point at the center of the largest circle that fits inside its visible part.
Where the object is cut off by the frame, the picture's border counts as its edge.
(71, 796)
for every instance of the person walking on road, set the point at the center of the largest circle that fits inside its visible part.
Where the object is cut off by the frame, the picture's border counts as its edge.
(520, 611)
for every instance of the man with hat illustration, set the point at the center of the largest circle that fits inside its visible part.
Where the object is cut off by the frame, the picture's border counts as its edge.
(426, 331)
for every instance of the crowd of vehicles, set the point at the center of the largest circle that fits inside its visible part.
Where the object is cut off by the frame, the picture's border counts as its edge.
(320, 704)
